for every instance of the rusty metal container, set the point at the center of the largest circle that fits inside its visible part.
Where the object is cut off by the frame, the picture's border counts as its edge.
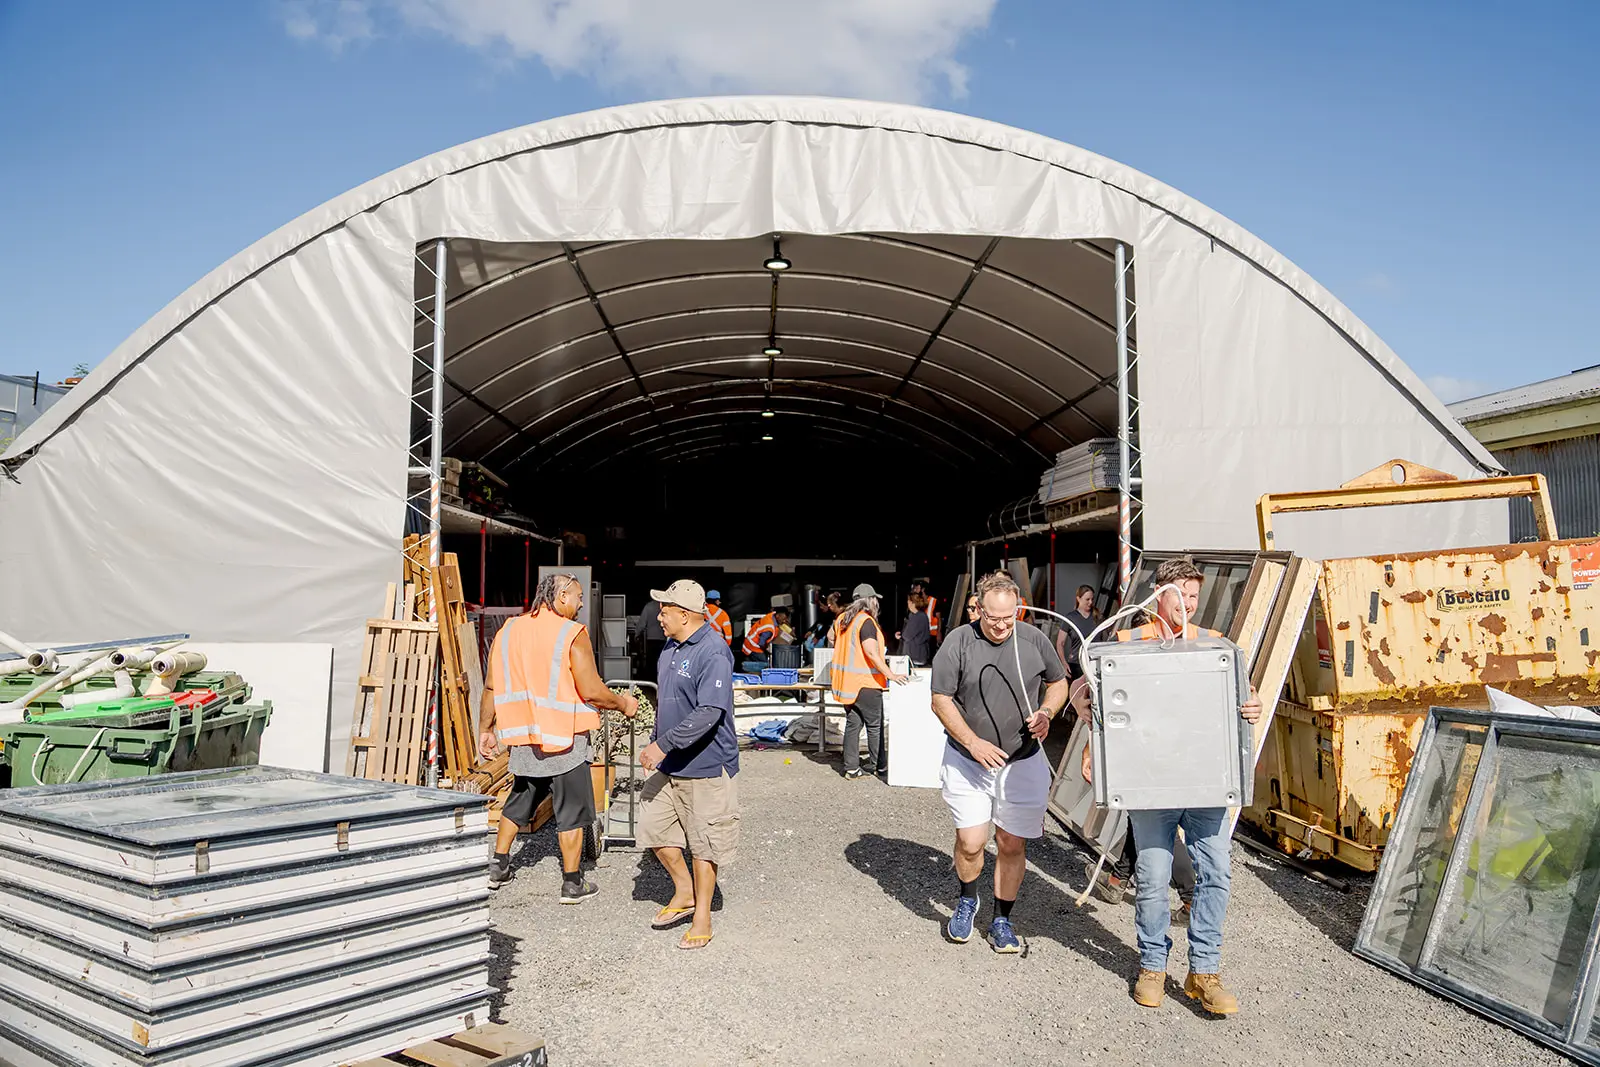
(1390, 636)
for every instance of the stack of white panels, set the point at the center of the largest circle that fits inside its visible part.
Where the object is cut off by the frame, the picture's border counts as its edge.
(250, 917)
(1087, 468)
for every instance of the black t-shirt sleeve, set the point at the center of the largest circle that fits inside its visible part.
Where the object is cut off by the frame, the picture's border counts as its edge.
(947, 666)
(1054, 671)
(869, 632)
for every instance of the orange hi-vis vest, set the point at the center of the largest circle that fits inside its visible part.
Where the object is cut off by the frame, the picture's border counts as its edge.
(535, 698)
(850, 671)
(767, 624)
(934, 622)
(719, 620)
(1152, 631)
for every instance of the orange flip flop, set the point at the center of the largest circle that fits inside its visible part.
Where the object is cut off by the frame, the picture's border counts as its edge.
(691, 942)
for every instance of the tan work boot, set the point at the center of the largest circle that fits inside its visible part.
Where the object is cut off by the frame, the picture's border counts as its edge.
(1150, 988)
(1207, 989)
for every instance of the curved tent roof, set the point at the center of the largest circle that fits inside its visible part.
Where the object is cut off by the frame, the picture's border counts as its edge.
(920, 282)
(950, 302)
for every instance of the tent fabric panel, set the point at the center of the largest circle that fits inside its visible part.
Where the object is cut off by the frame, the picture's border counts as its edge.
(1243, 393)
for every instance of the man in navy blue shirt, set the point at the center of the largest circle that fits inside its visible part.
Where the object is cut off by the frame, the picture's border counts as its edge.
(691, 801)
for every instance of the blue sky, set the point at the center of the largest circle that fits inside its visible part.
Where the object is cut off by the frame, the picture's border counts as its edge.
(1431, 164)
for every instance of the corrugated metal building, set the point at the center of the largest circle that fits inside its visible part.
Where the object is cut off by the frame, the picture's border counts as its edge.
(21, 401)
(1551, 428)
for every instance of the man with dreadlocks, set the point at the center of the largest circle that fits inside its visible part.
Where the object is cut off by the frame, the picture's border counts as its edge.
(540, 701)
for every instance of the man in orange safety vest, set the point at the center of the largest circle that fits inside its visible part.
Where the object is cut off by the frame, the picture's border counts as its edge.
(717, 617)
(541, 698)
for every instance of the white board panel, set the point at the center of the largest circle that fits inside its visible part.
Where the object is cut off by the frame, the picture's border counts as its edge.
(916, 737)
(298, 679)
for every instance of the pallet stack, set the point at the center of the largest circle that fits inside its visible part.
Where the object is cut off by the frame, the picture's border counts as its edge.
(238, 918)
(388, 732)
(395, 698)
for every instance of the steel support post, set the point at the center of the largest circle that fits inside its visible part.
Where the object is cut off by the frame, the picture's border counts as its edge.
(1129, 504)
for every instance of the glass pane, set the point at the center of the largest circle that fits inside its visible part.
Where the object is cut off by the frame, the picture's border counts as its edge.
(1517, 917)
(1418, 855)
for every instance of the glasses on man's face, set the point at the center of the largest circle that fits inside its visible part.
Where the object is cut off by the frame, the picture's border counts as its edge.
(1000, 619)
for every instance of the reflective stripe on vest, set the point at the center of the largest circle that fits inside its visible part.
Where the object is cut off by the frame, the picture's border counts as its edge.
(767, 624)
(545, 710)
(850, 671)
(719, 619)
(1151, 631)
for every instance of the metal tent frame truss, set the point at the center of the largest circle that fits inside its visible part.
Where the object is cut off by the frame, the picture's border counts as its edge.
(881, 371)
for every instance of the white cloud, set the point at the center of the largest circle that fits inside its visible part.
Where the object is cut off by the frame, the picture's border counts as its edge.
(900, 50)
(1450, 389)
(333, 23)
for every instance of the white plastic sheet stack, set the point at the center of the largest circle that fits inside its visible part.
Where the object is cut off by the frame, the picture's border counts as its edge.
(251, 917)
(1090, 467)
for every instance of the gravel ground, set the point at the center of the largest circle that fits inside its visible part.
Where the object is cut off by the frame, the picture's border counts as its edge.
(828, 945)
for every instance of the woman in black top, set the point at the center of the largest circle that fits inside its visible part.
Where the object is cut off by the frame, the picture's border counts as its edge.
(1068, 641)
(916, 639)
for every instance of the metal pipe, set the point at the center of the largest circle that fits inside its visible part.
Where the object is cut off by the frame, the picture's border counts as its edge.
(435, 476)
(123, 690)
(1291, 861)
(1124, 431)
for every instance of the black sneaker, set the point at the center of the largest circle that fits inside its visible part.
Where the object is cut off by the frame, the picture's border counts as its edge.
(851, 776)
(577, 892)
(498, 875)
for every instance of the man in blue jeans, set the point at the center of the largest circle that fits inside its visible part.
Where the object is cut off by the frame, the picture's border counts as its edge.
(1205, 831)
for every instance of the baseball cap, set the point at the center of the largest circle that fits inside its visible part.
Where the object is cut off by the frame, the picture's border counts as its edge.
(864, 589)
(683, 593)
(712, 594)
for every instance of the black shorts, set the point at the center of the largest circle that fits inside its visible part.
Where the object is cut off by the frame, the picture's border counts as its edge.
(572, 793)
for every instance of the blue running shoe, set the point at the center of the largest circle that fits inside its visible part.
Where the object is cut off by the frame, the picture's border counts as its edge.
(960, 928)
(1002, 938)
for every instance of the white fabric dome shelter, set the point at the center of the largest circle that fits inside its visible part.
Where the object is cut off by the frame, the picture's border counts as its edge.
(237, 468)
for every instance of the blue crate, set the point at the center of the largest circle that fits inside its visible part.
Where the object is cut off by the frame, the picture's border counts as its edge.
(747, 679)
(780, 676)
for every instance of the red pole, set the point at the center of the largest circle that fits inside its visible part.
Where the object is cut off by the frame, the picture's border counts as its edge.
(527, 551)
(1052, 581)
(483, 564)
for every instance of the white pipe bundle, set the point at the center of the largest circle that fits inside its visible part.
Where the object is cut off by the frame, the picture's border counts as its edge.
(13, 712)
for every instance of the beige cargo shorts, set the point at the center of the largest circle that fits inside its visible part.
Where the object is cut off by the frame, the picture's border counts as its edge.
(699, 814)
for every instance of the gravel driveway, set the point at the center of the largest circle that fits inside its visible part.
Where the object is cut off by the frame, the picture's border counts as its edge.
(828, 947)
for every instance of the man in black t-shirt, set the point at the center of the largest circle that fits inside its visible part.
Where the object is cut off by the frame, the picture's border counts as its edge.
(987, 679)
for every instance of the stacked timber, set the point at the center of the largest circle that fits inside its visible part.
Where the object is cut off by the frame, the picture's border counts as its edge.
(239, 917)
(1092, 467)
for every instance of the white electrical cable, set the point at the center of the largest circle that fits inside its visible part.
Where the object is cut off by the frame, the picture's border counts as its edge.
(1083, 661)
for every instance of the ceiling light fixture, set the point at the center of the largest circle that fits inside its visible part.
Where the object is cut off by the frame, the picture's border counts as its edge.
(769, 413)
(766, 437)
(772, 350)
(776, 262)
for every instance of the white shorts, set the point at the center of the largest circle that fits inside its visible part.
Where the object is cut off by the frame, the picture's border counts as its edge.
(1013, 798)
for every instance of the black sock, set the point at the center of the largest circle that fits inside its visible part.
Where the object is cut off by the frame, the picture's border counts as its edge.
(502, 860)
(1002, 908)
(970, 889)
(572, 877)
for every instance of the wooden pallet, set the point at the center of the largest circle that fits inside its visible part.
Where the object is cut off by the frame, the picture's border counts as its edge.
(388, 728)
(490, 1045)
(1080, 505)
(459, 742)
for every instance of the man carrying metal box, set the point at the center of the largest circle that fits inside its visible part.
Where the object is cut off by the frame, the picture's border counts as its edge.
(1206, 832)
